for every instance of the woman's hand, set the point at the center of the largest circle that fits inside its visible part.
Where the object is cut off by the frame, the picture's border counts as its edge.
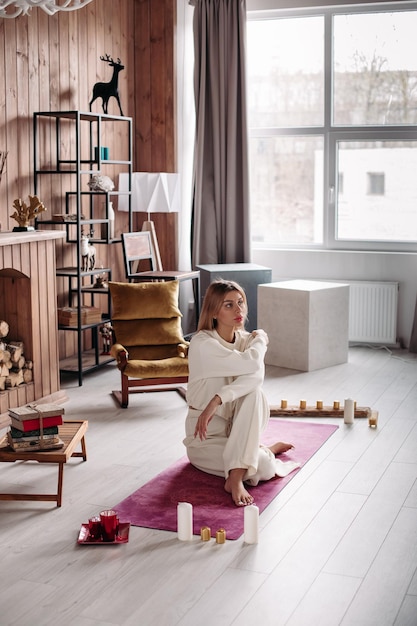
(205, 417)
(260, 333)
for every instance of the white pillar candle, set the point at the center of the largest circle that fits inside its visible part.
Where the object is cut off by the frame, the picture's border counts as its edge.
(349, 411)
(185, 521)
(111, 221)
(251, 523)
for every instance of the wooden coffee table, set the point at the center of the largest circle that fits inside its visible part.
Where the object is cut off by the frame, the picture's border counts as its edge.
(72, 434)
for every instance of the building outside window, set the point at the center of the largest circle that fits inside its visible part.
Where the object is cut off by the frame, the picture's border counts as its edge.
(376, 183)
(332, 115)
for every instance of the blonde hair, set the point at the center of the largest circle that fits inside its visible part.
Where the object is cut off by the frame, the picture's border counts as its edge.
(213, 300)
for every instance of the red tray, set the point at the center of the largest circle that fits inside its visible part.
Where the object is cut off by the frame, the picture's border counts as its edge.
(85, 539)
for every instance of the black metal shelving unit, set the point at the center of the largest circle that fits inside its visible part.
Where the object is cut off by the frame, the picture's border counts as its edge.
(70, 155)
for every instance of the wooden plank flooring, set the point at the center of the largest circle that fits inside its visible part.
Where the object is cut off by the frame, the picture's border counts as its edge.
(338, 546)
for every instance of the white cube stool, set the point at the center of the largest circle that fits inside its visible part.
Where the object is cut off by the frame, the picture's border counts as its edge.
(307, 322)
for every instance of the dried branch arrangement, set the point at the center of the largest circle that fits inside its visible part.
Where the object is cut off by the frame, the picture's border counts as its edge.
(3, 157)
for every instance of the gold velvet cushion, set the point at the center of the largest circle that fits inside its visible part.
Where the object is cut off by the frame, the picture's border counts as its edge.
(152, 353)
(156, 332)
(141, 301)
(167, 368)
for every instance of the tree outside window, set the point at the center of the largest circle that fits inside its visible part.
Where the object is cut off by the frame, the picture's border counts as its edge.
(333, 155)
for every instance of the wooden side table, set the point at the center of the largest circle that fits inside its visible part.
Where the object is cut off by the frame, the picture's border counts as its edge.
(72, 434)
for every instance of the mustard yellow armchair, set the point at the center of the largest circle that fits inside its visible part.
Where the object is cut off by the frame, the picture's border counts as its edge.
(149, 348)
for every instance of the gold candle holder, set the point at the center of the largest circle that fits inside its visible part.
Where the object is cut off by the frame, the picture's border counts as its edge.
(205, 533)
(303, 404)
(336, 405)
(221, 535)
(319, 404)
(373, 420)
(284, 404)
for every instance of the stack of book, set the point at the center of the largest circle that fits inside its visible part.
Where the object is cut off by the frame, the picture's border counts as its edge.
(35, 427)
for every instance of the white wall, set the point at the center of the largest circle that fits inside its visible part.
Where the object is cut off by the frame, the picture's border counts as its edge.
(347, 265)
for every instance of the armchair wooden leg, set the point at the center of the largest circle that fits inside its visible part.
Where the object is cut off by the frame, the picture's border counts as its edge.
(125, 392)
(122, 396)
(129, 386)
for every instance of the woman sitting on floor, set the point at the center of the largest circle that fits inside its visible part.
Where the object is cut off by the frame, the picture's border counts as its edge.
(227, 409)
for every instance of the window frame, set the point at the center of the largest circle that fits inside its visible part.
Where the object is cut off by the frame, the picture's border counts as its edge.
(332, 134)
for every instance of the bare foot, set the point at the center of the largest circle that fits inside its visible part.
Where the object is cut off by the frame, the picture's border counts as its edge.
(280, 447)
(234, 485)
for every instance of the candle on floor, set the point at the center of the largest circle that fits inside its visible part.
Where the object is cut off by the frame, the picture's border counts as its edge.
(373, 419)
(221, 535)
(185, 521)
(205, 533)
(251, 524)
(348, 411)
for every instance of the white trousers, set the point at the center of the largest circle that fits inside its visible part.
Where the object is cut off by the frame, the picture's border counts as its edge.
(233, 444)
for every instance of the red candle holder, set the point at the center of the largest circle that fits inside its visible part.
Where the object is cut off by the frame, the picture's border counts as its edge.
(94, 528)
(109, 524)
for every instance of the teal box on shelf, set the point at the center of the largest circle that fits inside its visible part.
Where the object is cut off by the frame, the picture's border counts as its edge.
(104, 153)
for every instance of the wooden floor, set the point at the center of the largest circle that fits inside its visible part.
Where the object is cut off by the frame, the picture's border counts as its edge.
(337, 546)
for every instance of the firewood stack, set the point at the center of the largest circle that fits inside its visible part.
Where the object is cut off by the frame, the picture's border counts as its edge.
(14, 368)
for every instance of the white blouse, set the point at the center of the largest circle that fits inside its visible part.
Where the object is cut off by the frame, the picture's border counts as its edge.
(230, 370)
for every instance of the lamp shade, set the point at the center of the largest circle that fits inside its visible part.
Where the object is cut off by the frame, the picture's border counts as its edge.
(151, 192)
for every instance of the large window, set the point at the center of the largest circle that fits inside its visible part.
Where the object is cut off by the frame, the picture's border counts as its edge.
(333, 139)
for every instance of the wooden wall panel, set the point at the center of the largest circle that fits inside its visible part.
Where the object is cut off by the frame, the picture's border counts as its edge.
(10, 180)
(2, 104)
(52, 63)
(142, 142)
(155, 137)
(154, 108)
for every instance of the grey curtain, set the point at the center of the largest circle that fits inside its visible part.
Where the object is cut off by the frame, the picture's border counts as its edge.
(220, 220)
(413, 338)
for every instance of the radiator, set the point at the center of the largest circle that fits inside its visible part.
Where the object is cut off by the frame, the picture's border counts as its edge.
(373, 312)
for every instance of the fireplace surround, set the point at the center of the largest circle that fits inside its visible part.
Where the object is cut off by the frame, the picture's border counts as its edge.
(28, 303)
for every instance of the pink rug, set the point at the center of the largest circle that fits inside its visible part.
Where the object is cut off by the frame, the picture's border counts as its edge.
(155, 504)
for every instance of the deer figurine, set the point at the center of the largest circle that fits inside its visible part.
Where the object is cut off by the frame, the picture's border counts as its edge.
(88, 254)
(107, 90)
